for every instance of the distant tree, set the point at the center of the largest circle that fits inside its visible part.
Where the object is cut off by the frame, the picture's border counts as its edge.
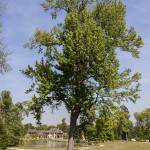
(11, 118)
(4, 66)
(86, 128)
(106, 121)
(63, 126)
(86, 133)
(142, 126)
(113, 122)
(79, 67)
(38, 127)
(45, 127)
(27, 127)
(106, 128)
(124, 124)
(51, 126)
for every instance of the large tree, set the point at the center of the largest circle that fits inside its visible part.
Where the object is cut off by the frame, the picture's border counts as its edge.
(79, 67)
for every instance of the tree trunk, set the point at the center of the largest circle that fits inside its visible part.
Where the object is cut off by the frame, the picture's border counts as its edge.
(72, 130)
(71, 142)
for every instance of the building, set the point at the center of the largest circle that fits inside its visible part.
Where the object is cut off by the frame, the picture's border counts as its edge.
(53, 133)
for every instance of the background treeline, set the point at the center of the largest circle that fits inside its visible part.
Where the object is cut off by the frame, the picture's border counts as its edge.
(12, 129)
(117, 125)
(62, 126)
(102, 125)
(106, 125)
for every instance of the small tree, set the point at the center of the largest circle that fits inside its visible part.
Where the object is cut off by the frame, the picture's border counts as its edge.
(80, 67)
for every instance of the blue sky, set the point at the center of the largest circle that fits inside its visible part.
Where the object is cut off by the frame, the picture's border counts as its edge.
(20, 20)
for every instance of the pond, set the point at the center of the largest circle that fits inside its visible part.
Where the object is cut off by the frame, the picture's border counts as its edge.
(45, 144)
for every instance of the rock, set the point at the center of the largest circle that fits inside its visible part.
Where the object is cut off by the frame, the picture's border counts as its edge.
(133, 140)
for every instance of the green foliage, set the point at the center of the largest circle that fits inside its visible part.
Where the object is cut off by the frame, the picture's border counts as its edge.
(27, 127)
(63, 126)
(111, 125)
(89, 132)
(124, 125)
(115, 125)
(12, 119)
(105, 128)
(80, 67)
(44, 127)
(142, 127)
(3, 136)
(6, 101)
(80, 59)
(86, 126)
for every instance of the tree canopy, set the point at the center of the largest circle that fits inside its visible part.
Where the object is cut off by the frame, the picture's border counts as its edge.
(80, 67)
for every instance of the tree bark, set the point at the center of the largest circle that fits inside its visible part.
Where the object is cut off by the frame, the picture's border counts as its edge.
(70, 142)
(72, 130)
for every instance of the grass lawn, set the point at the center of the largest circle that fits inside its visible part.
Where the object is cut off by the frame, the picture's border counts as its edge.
(110, 146)
(120, 146)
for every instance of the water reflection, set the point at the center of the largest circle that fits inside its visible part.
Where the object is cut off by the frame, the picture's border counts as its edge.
(45, 144)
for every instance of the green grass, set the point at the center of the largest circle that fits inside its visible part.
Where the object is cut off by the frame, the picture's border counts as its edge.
(110, 146)
(119, 146)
